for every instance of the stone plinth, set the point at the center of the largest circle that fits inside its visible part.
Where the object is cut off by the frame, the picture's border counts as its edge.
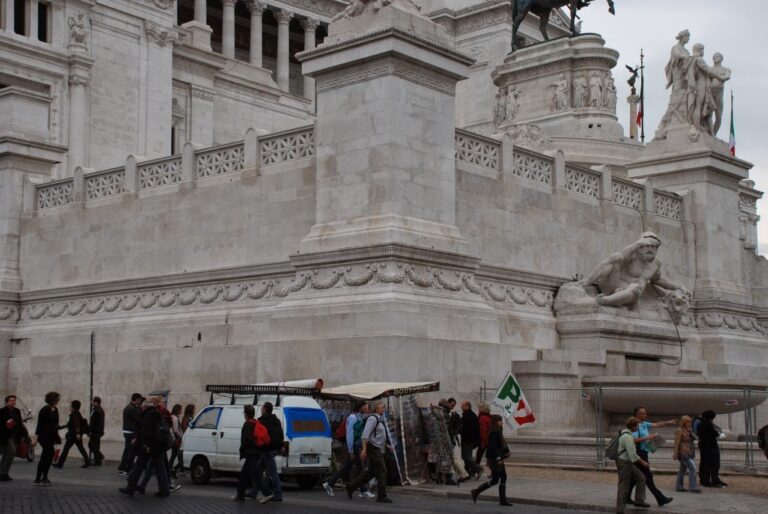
(385, 133)
(24, 114)
(565, 87)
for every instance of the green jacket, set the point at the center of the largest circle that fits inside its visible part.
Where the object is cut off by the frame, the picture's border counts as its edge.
(627, 451)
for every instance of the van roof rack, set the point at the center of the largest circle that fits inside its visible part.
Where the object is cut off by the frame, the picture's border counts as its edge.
(256, 390)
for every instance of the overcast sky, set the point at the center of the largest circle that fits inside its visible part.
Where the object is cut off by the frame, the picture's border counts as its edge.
(736, 33)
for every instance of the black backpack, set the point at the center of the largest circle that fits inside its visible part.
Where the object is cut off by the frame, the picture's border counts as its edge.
(276, 436)
(163, 435)
(761, 437)
(612, 450)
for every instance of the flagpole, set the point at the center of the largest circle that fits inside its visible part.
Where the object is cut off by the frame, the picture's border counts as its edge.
(642, 95)
(732, 132)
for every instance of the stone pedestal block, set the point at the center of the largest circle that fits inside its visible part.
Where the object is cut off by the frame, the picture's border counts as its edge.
(565, 87)
(198, 35)
(385, 133)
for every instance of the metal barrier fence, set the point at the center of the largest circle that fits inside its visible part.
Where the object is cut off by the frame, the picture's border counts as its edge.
(574, 425)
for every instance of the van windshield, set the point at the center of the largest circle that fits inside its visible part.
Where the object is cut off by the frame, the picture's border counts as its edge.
(306, 422)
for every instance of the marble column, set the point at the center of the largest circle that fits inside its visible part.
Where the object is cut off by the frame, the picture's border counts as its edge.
(201, 11)
(8, 13)
(257, 10)
(310, 30)
(228, 29)
(77, 120)
(283, 49)
(32, 7)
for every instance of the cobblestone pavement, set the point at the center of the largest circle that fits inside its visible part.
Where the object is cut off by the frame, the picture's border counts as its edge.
(94, 490)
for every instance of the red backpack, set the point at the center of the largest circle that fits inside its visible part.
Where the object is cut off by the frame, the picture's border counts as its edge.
(341, 431)
(260, 434)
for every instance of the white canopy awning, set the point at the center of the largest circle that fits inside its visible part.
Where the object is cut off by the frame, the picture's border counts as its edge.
(376, 390)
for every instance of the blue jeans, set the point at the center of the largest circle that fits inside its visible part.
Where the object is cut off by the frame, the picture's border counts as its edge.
(267, 463)
(686, 464)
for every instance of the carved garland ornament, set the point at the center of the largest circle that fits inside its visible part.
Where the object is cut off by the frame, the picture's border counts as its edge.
(371, 274)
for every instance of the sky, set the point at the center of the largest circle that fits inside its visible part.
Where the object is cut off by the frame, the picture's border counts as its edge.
(736, 33)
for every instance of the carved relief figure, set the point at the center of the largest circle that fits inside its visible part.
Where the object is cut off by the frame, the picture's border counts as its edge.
(610, 94)
(720, 75)
(512, 105)
(580, 92)
(560, 91)
(595, 91)
(77, 30)
(621, 279)
(358, 7)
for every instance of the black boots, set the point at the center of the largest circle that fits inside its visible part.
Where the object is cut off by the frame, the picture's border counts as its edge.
(503, 496)
(476, 492)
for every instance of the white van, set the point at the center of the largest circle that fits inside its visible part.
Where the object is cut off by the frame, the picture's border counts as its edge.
(212, 442)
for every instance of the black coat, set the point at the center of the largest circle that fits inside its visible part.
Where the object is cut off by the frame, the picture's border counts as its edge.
(131, 416)
(97, 421)
(75, 425)
(247, 444)
(47, 430)
(497, 446)
(147, 432)
(470, 429)
(275, 429)
(16, 433)
(708, 434)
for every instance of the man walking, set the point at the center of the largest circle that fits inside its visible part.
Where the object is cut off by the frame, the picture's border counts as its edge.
(96, 427)
(131, 414)
(629, 465)
(642, 437)
(148, 449)
(75, 431)
(267, 462)
(375, 441)
(470, 439)
(249, 473)
(354, 443)
(12, 430)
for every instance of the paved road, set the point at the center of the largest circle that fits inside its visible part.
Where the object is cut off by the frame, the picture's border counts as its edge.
(94, 490)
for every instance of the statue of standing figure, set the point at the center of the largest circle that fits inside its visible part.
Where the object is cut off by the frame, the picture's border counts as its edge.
(580, 92)
(561, 91)
(610, 94)
(595, 91)
(696, 99)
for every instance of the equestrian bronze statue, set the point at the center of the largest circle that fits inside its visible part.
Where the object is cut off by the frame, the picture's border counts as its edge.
(543, 9)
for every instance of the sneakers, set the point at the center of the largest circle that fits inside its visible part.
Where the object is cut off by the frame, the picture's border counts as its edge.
(122, 473)
(47, 482)
(174, 487)
(267, 498)
(328, 489)
(366, 494)
(38, 482)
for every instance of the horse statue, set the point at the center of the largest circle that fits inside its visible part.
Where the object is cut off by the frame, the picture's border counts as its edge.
(543, 9)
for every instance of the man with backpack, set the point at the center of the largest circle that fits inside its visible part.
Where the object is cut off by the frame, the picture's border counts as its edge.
(375, 444)
(350, 432)
(251, 435)
(149, 447)
(96, 431)
(269, 451)
(629, 464)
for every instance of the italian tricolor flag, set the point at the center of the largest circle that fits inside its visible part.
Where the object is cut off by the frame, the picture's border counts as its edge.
(732, 139)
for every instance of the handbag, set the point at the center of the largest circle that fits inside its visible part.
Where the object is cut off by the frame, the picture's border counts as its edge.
(22, 449)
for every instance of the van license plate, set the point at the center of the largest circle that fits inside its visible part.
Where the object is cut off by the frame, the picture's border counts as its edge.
(309, 458)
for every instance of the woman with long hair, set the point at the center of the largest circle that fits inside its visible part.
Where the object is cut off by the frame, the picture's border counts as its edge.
(496, 452)
(177, 434)
(47, 434)
(684, 454)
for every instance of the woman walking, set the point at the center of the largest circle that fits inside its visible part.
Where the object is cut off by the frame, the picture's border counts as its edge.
(186, 419)
(177, 435)
(684, 454)
(484, 418)
(709, 474)
(496, 452)
(76, 429)
(47, 434)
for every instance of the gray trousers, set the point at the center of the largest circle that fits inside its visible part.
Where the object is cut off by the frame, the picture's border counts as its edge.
(628, 471)
(9, 453)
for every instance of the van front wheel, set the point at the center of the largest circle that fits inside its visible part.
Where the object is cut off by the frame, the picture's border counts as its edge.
(200, 470)
(307, 482)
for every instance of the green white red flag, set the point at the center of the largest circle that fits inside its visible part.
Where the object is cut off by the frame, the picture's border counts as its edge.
(732, 139)
(513, 405)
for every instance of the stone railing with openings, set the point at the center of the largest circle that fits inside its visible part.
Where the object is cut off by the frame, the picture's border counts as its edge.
(532, 166)
(220, 160)
(477, 151)
(159, 172)
(583, 181)
(193, 164)
(627, 193)
(55, 194)
(287, 147)
(104, 184)
(668, 205)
